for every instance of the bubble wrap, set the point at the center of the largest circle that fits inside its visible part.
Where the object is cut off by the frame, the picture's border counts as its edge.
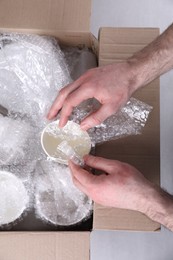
(79, 60)
(32, 71)
(25, 173)
(19, 142)
(57, 200)
(66, 149)
(128, 121)
(14, 198)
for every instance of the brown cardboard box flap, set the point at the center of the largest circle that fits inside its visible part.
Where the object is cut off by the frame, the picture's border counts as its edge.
(48, 15)
(117, 44)
(119, 219)
(141, 151)
(45, 246)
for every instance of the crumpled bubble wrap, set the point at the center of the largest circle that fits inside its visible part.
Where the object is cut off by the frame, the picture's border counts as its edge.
(32, 71)
(19, 142)
(57, 200)
(129, 120)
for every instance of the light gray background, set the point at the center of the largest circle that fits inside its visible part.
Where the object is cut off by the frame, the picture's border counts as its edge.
(123, 245)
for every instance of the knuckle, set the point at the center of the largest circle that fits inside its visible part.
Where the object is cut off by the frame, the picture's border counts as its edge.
(62, 93)
(68, 103)
(87, 86)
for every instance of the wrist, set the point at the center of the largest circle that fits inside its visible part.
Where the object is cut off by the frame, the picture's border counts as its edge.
(158, 205)
(140, 72)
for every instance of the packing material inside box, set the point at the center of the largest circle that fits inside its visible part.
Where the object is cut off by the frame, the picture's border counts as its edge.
(33, 70)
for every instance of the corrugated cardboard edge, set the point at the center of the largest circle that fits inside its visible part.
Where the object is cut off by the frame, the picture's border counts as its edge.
(115, 45)
(45, 246)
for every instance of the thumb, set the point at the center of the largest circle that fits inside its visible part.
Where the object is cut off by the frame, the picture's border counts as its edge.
(97, 117)
(84, 177)
(99, 163)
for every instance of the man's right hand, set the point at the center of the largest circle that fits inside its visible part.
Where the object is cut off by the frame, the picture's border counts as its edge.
(111, 85)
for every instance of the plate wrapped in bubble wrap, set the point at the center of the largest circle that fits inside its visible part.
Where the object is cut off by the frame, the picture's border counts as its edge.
(57, 200)
(16, 193)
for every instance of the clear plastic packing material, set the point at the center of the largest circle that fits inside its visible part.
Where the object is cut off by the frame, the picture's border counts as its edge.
(79, 60)
(32, 71)
(57, 200)
(129, 120)
(66, 149)
(19, 142)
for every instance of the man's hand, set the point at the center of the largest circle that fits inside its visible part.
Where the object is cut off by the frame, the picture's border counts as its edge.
(111, 85)
(124, 187)
(121, 186)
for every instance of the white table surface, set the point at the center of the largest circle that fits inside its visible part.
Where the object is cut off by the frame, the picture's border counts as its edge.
(125, 245)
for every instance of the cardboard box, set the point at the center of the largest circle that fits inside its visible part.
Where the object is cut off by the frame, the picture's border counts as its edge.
(141, 151)
(69, 21)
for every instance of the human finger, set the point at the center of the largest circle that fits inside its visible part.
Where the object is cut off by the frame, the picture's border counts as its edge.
(63, 93)
(97, 117)
(80, 186)
(85, 178)
(74, 99)
(99, 163)
(58, 103)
